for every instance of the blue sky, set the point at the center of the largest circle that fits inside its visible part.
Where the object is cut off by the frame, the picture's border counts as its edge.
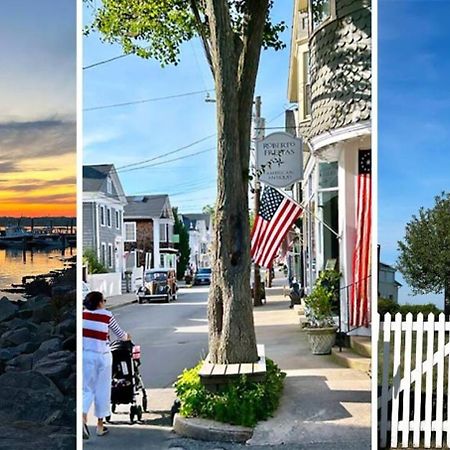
(414, 117)
(134, 133)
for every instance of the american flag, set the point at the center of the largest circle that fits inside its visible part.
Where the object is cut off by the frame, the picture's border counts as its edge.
(360, 292)
(276, 215)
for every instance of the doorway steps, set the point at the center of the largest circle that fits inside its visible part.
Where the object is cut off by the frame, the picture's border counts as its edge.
(358, 356)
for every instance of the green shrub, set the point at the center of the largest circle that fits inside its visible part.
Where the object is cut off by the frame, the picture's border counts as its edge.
(92, 262)
(389, 306)
(386, 305)
(416, 309)
(242, 402)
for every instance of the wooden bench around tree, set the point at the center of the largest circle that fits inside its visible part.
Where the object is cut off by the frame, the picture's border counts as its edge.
(213, 376)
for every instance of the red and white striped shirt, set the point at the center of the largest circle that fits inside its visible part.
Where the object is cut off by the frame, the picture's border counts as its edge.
(96, 325)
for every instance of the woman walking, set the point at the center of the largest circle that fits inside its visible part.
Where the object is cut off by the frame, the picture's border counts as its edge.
(97, 359)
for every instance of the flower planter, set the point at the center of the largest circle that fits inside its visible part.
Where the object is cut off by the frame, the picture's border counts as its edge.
(321, 340)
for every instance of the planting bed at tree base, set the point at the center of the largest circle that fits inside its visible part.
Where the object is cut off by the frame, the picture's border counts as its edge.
(240, 402)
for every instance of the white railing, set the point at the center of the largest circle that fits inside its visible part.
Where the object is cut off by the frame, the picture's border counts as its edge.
(415, 375)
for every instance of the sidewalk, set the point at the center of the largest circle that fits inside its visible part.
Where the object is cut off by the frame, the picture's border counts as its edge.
(322, 403)
(324, 406)
(116, 301)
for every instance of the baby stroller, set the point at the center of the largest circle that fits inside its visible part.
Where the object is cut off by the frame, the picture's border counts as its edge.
(127, 385)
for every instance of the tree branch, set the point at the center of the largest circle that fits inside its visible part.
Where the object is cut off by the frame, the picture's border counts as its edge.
(201, 32)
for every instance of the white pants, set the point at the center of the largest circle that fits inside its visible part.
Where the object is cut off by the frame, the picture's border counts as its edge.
(97, 382)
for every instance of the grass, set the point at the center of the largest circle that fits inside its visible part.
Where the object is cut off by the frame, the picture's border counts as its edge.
(413, 359)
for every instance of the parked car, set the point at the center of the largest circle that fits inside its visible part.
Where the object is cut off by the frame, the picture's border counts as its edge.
(158, 284)
(85, 289)
(202, 276)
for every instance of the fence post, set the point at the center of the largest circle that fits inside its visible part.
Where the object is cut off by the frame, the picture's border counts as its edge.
(386, 327)
(396, 377)
(440, 380)
(418, 380)
(405, 426)
(429, 381)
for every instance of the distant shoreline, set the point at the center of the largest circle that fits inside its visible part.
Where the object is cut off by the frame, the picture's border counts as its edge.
(44, 221)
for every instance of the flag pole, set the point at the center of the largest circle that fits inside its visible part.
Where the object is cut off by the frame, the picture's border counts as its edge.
(258, 134)
(310, 212)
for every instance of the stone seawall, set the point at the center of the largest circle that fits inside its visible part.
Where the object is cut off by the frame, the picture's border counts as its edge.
(38, 368)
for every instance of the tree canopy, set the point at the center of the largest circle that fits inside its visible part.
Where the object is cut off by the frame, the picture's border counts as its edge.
(424, 258)
(156, 29)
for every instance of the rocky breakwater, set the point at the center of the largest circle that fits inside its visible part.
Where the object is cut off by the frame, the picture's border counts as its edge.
(38, 367)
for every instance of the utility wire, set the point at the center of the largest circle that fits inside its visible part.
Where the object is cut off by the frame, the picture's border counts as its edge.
(169, 160)
(105, 61)
(162, 155)
(146, 100)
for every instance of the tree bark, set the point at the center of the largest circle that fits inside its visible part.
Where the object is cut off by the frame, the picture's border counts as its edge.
(235, 63)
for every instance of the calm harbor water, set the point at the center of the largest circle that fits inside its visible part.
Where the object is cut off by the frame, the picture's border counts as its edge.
(16, 263)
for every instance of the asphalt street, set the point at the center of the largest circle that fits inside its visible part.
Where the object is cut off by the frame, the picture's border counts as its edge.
(172, 336)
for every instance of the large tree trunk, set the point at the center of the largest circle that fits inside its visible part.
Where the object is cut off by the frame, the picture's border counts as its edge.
(234, 64)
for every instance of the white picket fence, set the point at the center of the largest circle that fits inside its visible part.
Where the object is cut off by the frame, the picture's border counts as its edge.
(414, 401)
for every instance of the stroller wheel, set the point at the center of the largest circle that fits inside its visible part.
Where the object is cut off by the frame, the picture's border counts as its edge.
(133, 413)
(139, 413)
(144, 404)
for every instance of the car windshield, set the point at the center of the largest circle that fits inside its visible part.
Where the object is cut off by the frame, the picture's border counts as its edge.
(156, 276)
(204, 271)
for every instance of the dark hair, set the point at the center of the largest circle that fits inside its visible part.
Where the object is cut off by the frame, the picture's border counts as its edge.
(92, 300)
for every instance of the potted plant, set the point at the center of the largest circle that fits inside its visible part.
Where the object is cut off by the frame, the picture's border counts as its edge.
(321, 328)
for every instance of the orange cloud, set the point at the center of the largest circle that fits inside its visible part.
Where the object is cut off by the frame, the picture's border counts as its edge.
(45, 186)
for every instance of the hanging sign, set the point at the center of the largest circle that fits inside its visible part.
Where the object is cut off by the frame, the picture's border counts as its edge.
(279, 160)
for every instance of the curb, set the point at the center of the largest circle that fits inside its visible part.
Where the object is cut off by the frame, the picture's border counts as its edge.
(122, 304)
(210, 430)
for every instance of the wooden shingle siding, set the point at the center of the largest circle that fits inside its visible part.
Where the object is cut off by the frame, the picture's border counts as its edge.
(340, 69)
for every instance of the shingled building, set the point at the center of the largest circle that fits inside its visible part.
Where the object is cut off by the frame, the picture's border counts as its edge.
(330, 86)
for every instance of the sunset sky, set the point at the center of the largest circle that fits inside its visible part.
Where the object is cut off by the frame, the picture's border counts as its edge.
(37, 108)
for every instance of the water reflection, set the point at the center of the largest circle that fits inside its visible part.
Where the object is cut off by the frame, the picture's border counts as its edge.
(15, 263)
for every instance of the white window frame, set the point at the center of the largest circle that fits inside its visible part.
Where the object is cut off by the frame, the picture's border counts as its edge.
(329, 19)
(110, 256)
(103, 253)
(108, 185)
(102, 216)
(108, 217)
(163, 226)
(127, 225)
(117, 216)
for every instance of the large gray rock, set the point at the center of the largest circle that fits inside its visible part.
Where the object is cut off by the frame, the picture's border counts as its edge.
(15, 323)
(66, 328)
(56, 366)
(27, 347)
(37, 301)
(7, 309)
(49, 346)
(25, 435)
(43, 313)
(20, 362)
(16, 337)
(29, 395)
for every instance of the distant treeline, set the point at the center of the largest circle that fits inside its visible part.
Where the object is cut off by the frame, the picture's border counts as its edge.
(38, 221)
